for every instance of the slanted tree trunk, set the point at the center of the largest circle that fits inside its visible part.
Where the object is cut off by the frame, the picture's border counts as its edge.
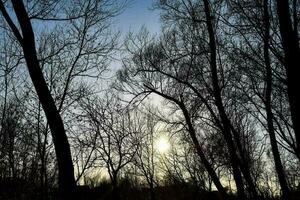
(290, 43)
(234, 160)
(27, 41)
(268, 99)
(203, 158)
(215, 179)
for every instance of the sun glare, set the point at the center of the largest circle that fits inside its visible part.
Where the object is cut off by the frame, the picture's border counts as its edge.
(162, 145)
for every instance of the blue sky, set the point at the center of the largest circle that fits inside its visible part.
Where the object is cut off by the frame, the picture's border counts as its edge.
(136, 15)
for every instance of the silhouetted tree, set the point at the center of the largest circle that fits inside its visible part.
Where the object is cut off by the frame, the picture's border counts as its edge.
(88, 14)
(116, 141)
(136, 78)
(290, 44)
(145, 155)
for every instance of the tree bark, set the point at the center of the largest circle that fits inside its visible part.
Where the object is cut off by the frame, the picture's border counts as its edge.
(291, 49)
(115, 188)
(200, 153)
(234, 160)
(203, 158)
(152, 192)
(62, 148)
(268, 99)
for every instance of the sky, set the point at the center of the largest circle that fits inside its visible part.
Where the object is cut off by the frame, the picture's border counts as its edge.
(136, 15)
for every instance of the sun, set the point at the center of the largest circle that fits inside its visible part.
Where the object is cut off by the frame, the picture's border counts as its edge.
(162, 145)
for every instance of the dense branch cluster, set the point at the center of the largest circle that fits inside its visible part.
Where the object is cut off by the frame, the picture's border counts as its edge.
(219, 81)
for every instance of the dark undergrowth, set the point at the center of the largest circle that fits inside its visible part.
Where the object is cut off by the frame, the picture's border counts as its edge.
(22, 190)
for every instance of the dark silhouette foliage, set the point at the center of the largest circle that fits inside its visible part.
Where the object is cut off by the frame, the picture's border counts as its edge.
(206, 109)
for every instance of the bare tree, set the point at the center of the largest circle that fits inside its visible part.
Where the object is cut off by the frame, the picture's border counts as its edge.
(290, 43)
(145, 156)
(83, 18)
(266, 72)
(149, 58)
(116, 141)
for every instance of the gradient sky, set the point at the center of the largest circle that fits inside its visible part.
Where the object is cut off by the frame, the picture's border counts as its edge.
(136, 15)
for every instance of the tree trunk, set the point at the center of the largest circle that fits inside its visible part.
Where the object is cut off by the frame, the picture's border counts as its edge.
(115, 190)
(268, 99)
(215, 179)
(218, 101)
(62, 148)
(152, 192)
(291, 49)
(203, 158)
